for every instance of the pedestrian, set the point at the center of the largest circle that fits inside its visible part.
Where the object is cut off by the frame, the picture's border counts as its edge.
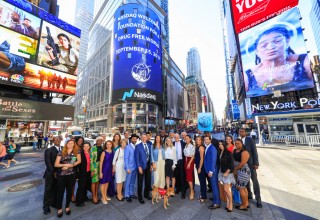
(253, 134)
(143, 157)
(170, 163)
(158, 162)
(225, 175)
(95, 155)
(179, 171)
(66, 160)
(253, 164)
(126, 135)
(130, 167)
(242, 173)
(189, 152)
(84, 176)
(199, 160)
(11, 153)
(35, 143)
(105, 175)
(3, 153)
(210, 164)
(40, 138)
(46, 141)
(118, 169)
(264, 136)
(50, 176)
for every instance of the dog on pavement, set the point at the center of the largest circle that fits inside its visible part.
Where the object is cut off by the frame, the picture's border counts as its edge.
(158, 193)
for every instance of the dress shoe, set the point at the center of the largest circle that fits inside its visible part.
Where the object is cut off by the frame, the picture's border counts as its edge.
(80, 205)
(46, 211)
(133, 197)
(68, 212)
(242, 209)
(148, 197)
(128, 199)
(183, 196)
(229, 210)
(120, 200)
(60, 214)
(141, 201)
(259, 204)
(214, 206)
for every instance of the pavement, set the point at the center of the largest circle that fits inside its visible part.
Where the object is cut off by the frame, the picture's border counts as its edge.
(289, 182)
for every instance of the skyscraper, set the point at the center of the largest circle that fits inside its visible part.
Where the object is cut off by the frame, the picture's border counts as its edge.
(315, 18)
(83, 20)
(194, 64)
(164, 5)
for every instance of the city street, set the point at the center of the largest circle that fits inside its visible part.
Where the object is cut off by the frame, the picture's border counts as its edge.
(288, 176)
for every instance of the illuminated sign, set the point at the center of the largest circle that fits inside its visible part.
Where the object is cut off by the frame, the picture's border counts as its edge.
(137, 55)
(303, 103)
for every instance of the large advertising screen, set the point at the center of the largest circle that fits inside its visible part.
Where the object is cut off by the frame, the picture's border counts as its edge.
(37, 50)
(174, 98)
(21, 109)
(249, 13)
(274, 56)
(137, 74)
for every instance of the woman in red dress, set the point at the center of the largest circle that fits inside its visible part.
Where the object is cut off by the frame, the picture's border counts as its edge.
(189, 152)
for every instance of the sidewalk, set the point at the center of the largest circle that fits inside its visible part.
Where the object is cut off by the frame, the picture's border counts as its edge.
(283, 146)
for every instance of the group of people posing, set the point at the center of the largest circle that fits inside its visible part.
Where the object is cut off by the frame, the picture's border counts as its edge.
(115, 165)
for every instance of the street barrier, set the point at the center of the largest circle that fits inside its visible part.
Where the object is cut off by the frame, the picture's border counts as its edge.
(311, 140)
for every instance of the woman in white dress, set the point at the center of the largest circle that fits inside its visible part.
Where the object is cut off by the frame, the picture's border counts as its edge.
(158, 162)
(118, 168)
(171, 162)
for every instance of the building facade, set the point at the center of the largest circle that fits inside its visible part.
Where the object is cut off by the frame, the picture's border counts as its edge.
(194, 92)
(314, 19)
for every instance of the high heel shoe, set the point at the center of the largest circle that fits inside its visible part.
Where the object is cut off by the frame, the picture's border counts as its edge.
(68, 212)
(60, 214)
(191, 196)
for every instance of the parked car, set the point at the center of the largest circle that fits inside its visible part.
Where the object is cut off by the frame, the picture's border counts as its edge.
(93, 134)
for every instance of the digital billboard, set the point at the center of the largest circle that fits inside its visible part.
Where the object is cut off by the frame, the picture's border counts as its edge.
(249, 13)
(37, 50)
(274, 56)
(174, 98)
(137, 72)
(22, 109)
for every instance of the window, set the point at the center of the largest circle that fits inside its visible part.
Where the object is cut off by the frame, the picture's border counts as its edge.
(147, 14)
(129, 55)
(135, 43)
(155, 60)
(118, 57)
(135, 11)
(115, 36)
(144, 57)
(151, 34)
(121, 44)
(129, 20)
(138, 31)
(143, 22)
(147, 45)
(125, 31)
(118, 23)
(122, 12)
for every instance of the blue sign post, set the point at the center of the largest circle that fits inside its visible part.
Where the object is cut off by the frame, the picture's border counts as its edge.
(137, 56)
(205, 121)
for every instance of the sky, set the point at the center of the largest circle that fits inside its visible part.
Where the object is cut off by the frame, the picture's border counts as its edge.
(197, 23)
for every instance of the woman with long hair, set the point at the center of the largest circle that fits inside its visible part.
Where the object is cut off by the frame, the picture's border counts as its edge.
(225, 175)
(79, 142)
(158, 162)
(199, 159)
(242, 173)
(11, 153)
(95, 155)
(118, 168)
(189, 152)
(116, 141)
(106, 170)
(230, 145)
(170, 162)
(66, 160)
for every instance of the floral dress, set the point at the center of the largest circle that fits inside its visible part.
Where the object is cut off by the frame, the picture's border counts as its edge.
(95, 163)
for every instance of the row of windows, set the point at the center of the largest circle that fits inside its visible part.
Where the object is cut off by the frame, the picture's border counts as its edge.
(129, 56)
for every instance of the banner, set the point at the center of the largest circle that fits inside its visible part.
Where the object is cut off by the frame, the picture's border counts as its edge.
(37, 48)
(21, 109)
(174, 98)
(137, 58)
(274, 56)
(205, 121)
(235, 110)
(249, 13)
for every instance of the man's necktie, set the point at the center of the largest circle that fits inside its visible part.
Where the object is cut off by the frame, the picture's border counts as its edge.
(147, 151)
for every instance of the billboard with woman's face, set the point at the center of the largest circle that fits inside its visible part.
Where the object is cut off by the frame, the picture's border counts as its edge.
(274, 56)
(37, 50)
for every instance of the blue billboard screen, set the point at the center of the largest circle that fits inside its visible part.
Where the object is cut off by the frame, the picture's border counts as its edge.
(274, 56)
(137, 72)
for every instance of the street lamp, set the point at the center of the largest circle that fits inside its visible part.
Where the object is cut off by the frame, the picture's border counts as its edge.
(84, 104)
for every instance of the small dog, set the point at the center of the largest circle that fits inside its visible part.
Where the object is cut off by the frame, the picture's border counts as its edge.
(158, 193)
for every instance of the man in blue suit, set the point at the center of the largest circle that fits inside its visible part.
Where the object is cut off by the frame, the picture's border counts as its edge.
(130, 167)
(143, 157)
(210, 165)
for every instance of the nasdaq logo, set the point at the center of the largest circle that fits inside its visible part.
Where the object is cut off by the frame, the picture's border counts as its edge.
(127, 94)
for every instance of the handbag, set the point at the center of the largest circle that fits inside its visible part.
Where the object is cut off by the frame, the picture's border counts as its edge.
(236, 195)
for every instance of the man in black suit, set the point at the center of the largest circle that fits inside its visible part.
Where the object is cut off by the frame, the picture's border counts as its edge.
(179, 172)
(253, 164)
(50, 188)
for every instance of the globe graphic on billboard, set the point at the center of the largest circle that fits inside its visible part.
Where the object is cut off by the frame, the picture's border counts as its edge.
(141, 72)
(204, 121)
